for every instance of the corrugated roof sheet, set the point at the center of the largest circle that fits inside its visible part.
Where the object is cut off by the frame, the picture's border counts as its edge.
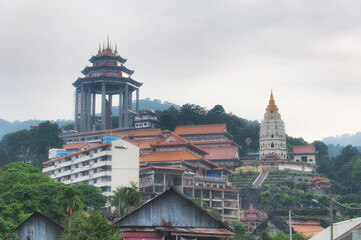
(339, 229)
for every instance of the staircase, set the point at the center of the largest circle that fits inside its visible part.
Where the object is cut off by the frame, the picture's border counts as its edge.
(259, 180)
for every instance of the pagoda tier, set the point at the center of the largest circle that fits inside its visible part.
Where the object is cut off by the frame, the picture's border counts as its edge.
(107, 67)
(106, 77)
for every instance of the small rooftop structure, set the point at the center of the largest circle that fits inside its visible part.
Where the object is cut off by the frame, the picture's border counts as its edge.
(251, 219)
(304, 153)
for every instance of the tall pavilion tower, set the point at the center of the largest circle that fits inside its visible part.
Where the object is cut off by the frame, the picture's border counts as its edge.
(272, 139)
(105, 78)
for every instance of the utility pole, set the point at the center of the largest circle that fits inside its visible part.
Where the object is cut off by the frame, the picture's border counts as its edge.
(289, 223)
(331, 218)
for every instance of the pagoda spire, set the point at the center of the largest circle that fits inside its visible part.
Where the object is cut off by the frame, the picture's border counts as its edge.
(108, 41)
(272, 107)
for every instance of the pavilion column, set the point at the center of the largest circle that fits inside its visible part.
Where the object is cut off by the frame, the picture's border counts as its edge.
(137, 101)
(103, 114)
(120, 107)
(110, 100)
(126, 105)
(82, 108)
(76, 121)
(88, 110)
(130, 100)
(93, 111)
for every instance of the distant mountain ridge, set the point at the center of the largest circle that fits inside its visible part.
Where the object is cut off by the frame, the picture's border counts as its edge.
(9, 127)
(344, 139)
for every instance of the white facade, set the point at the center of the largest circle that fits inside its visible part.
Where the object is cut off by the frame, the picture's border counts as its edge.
(106, 166)
(272, 139)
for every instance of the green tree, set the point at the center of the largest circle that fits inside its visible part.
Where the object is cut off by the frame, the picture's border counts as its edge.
(26, 185)
(169, 119)
(91, 227)
(191, 114)
(239, 230)
(125, 199)
(70, 201)
(91, 196)
(356, 174)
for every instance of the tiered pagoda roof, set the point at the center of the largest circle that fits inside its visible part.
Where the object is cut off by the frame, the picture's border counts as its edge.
(107, 65)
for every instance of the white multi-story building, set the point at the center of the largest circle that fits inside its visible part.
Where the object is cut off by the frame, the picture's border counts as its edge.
(107, 166)
(272, 139)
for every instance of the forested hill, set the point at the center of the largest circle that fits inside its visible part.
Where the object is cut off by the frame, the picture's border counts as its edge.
(9, 127)
(344, 140)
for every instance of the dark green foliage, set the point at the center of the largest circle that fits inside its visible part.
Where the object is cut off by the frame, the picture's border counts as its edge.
(294, 141)
(24, 189)
(285, 197)
(30, 146)
(91, 227)
(210, 210)
(91, 196)
(241, 231)
(126, 199)
(23, 184)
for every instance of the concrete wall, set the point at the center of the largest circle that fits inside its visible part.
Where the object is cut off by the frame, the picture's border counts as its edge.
(38, 228)
(125, 163)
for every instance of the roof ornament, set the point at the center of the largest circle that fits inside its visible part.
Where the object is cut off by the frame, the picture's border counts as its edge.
(272, 107)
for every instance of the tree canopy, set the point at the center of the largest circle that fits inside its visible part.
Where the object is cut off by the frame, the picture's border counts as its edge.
(92, 227)
(30, 145)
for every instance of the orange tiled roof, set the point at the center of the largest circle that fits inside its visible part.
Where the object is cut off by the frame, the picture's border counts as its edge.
(162, 168)
(74, 145)
(304, 149)
(178, 140)
(122, 134)
(143, 144)
(307, 230)
(169, 156)
(146, 132)
(201, 129)
(221, 152)
(85, 150)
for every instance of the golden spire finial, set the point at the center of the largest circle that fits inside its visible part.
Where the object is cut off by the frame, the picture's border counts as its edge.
(272, 107)
(108, 41)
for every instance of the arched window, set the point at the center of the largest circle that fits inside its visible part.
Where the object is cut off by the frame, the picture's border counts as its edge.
(272, 135)
(272, 145)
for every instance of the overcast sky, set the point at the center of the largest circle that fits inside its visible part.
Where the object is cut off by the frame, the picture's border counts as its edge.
(192, 51)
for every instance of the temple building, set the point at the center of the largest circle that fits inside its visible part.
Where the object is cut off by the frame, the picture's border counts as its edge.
(272, 139)
(106, 77)
(176, 162)
(251, 218)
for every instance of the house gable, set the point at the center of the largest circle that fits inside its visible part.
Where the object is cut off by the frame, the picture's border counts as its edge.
(171, 209)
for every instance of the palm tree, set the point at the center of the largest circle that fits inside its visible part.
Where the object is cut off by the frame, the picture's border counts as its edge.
(125, 199)
(71, 201)
(117, 199)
